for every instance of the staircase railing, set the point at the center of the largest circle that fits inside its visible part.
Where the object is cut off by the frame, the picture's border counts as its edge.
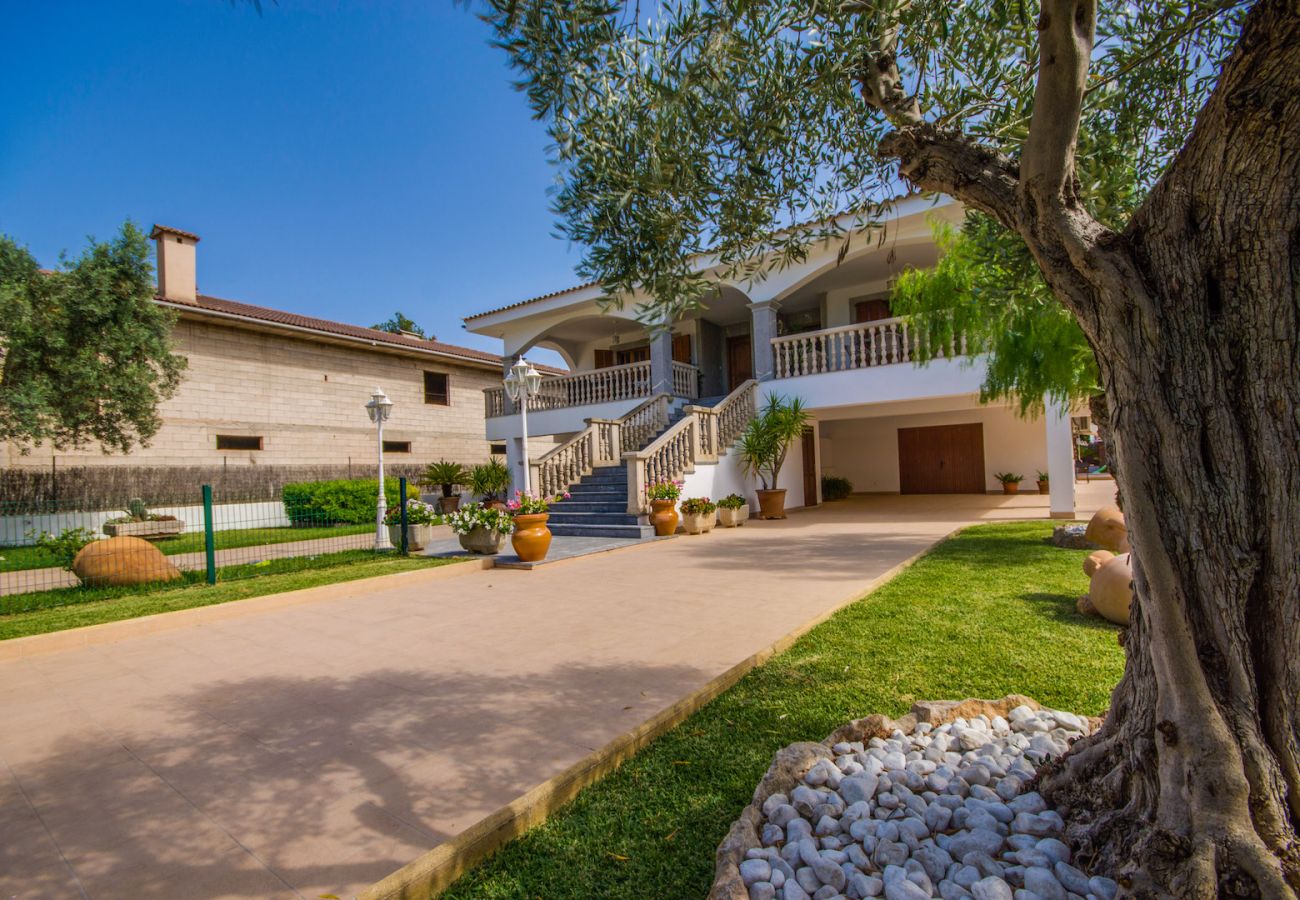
(602, 443)
(701, 436)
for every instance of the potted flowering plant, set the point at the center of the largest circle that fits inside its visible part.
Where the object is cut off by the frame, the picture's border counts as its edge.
(733, 510)
(698, 514)
(421, 518)
(663, 504)
(481, 528)
(531, 538)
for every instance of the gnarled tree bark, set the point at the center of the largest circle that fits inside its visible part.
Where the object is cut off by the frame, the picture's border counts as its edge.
(1192, 787)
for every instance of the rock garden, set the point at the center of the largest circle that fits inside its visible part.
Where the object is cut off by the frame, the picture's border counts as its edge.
(938, 803)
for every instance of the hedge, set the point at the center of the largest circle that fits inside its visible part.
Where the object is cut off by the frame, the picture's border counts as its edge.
(338, 502)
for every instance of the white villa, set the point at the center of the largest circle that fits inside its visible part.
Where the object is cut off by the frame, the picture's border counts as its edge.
(668, 405)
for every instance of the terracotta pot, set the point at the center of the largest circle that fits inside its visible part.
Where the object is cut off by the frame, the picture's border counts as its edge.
(1011, 487)
(771, 504)
(486, 541)
(694, 523)
(733, 518)
(663, 517)
(531, 538)
(1044, 488)
(449, 504)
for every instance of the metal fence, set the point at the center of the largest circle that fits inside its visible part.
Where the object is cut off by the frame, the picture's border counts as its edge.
(54, 553)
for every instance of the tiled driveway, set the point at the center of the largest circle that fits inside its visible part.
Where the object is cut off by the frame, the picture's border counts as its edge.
(313, 749)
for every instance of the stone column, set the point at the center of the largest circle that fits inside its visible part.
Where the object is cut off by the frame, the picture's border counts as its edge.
(661, 361)
(1060, 460)
(762, 329)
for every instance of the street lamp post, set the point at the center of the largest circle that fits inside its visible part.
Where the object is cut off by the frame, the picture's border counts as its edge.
(523, 383)
(380, 408)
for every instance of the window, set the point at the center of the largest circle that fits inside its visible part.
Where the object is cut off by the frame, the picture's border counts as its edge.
(435, 389)
(397, 446)
(632, 355)
(497, 449)
(871, 311)
(238, 442)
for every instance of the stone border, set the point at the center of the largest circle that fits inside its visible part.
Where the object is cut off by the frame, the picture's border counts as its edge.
(111, 632)
(791, 763)
(435, 871)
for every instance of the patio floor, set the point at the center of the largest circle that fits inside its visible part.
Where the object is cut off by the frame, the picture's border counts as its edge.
(313, 749)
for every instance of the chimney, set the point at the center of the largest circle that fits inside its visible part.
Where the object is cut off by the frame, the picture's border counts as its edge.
(176, 264)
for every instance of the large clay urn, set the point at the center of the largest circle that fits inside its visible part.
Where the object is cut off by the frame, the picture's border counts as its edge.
(1108, 531)
(1111, 589)
(531, 538)
(771, 504)
(663, 516)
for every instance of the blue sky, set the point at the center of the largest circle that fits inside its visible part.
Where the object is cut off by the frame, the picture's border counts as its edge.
(337, 159)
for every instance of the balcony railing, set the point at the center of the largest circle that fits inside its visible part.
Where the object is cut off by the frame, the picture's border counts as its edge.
(880, 343)
(625, 382)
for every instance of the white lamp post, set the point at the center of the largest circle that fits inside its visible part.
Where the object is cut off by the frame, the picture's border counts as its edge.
(380, 408)
(523, 383)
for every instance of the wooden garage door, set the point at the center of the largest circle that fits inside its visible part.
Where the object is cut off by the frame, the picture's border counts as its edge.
(941, 459)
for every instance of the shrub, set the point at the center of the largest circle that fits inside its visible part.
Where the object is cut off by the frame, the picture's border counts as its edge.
(340, 502)
(1008, 477)
(490, 480)
(417, 513)
(836, 488)
(66, 546)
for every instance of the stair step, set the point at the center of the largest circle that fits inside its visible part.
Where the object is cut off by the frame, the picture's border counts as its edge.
(575, 505)
(614, 517)
(629, 532)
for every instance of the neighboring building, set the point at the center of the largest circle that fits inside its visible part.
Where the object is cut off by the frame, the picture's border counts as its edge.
(268, 387)
(821, 330)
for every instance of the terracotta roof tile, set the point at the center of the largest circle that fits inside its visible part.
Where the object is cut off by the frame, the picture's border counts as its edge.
(568, 290)
(163, 229)
(294, 320)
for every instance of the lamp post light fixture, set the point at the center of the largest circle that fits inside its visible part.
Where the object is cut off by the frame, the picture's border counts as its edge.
(379, 409)
(522, 383)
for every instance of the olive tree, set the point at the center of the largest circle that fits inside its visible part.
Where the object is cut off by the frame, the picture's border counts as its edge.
(722, 127)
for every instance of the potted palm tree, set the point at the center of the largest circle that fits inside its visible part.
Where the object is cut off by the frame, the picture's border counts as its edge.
(490, 481)
(1010, 482)
(448, 476)
(763, 447)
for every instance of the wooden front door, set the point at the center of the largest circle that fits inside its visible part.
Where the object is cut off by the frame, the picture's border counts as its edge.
(809, 467)
(740, 361)
(941, 459)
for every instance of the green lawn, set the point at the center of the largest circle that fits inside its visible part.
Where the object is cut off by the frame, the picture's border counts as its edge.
(987, 613)
(12, 559)
(74, 607)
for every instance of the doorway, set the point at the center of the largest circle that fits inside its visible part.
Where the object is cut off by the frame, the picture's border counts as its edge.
(809, 467)
(941, 459)
(740, 360)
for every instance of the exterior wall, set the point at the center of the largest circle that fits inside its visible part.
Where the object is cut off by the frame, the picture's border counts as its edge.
(305, 399)
(865, 450)
(882, 384)
(728, 477)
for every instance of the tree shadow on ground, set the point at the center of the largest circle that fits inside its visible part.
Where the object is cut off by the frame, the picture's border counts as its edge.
(330, 783)
(1062, 608)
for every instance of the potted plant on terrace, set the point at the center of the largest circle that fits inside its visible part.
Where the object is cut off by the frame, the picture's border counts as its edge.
(1044, 485)
(481, 528)
(763, 447)
(698, 514)
(1010, 482)
(531, 538)
(137, 521)
(663, 505)
(490, 480)
(421, 518)
(446, 475)
(733, 510)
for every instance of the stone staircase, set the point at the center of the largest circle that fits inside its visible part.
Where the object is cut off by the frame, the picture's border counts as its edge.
(598, 505)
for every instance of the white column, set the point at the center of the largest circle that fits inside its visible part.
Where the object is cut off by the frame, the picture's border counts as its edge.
(661, 361)
(1060, 460)
(762, 330)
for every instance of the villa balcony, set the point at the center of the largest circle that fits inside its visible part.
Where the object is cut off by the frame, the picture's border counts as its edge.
(883, 342)
(607, 385)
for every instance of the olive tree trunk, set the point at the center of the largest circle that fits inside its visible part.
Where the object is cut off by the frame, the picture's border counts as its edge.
(1192, 786)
